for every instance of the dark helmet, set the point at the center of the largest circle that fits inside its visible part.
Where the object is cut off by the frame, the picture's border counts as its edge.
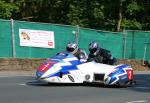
(72, 47)
(93, 47)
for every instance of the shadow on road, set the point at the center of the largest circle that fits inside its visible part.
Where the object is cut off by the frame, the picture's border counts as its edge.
(142, 83)
(97, 85)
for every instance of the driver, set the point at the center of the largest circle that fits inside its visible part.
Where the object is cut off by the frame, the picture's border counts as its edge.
(72, 48)
(100, 55)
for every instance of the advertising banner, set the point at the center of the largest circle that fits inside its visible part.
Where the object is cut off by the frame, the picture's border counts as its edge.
(36, 38)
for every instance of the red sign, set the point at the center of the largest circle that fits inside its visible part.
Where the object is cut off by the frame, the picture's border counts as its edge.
(50, 43)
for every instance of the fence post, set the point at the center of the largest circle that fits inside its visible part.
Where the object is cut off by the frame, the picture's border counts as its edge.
(77, 34)
(132, 45)
(123, 44)
(13, 38)
(145, 48)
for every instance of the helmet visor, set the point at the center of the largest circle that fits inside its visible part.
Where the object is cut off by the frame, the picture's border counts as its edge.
(70, 49)
(93, 50)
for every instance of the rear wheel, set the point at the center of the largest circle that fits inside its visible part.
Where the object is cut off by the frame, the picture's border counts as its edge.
(121, 84)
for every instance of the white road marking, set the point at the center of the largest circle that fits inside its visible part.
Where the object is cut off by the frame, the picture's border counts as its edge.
(141, 101)
(22, 84)
(4, 76)
(142, 87)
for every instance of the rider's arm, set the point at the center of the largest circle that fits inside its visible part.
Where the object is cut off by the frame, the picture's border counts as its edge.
(83, 56)
(90, 57)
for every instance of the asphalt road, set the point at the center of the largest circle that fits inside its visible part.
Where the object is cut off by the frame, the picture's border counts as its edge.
(25, 89)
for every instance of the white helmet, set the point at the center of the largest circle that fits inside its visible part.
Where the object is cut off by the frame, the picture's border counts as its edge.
(72, 47)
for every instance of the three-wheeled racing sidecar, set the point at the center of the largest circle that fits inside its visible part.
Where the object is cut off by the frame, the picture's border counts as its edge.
(66, 68)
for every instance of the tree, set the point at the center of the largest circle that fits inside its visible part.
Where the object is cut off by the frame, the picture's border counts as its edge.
(7, 9)
(96, 14)
(119, 15)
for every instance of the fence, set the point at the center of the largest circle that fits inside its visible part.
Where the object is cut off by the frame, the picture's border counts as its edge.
(127, 44)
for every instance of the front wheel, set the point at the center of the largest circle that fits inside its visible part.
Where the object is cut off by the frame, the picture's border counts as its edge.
(130, 83)
(126, 84)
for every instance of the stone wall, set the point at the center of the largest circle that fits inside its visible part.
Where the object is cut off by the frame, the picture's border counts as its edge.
(135, 64)
(28, 64)
(20, 64)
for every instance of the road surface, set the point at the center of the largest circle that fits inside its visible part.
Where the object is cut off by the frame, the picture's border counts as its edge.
(25, 89)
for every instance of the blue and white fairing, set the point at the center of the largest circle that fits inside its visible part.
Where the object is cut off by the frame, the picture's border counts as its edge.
(59, 68)
(65, 68)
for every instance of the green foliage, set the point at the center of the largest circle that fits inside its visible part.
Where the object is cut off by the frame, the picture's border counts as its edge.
(96, 14)
(133, 8)
(132, 24)
(6, 9)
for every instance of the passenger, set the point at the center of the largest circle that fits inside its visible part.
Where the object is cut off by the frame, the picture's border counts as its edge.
(100, 55)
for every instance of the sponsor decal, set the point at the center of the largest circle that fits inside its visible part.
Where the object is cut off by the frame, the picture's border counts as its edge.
(87, 77)
(53, 80)
(124, 77)
(45, 66)
(71, 78)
